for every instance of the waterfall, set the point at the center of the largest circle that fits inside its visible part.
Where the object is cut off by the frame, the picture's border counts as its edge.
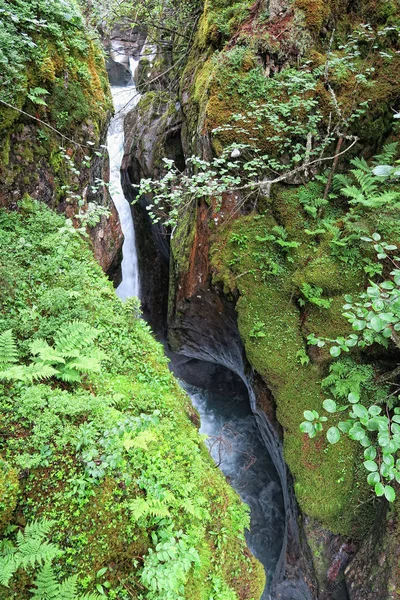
(124, 98)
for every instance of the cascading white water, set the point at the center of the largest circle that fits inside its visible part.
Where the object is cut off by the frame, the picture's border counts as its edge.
(125, 98)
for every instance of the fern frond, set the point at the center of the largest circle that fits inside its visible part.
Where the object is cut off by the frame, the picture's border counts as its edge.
(38, 370)
(8, 566)
(47, 587)
(361, 164)
(32, 547)
(388, 155)
(69, 375)
(73, 336)
(152, 507)
(14, 373)
(191, 509)
(8, 349)
(366, 181)
(37, 552)
(37, 529)
(46, 353)
(341, 181)
(89, 597)
(67, 588)
(379, 200)
(85, 364)
(351, 191)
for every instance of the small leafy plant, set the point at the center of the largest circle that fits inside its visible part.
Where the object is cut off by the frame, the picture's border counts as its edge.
(72, 355)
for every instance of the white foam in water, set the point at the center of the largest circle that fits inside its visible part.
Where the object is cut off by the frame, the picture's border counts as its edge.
(125, 98)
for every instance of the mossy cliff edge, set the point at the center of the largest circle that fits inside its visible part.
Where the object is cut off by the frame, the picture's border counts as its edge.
(98, 448)
(267, 254)
(92, 455)
(54, 109)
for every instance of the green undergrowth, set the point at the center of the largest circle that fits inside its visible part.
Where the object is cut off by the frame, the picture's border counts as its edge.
(113, 459)
(51, 67)
(51, 64)
(242, 49)
(281, 282)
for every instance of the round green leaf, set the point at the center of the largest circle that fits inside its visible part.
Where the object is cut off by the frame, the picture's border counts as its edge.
(353, 397)
(333, 435)
(356, 434)
(360, 411)
(377, 324)
(306, 427)
(358, 324)
(373, 424)
(388, 460)
(373, 478)
(370, 453)
(395, 427)
(335, 351)
(374, 410)
(379, 489)
(329, 405)
(370, 465)
(378, 305)
(344, 426)
(309, 415)
(383, 438)
(390, 494)
(365, 442)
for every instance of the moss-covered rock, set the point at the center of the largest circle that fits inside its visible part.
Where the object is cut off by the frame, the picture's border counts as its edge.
(9, 487)
(58, 105)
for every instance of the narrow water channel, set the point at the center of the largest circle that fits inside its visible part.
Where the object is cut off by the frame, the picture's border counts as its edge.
(233, 436)
(124, 99)
(235, 445)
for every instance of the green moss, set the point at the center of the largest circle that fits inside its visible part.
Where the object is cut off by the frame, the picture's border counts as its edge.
(316, 11)
(182, 241)
(95, 526)
(274, 331)
(9, 488)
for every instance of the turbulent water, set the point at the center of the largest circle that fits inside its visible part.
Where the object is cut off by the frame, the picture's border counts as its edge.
(236, 447)
(124, 99)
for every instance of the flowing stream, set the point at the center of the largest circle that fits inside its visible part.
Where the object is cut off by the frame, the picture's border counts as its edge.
(234, 442)
(234, 439)
(124, 98)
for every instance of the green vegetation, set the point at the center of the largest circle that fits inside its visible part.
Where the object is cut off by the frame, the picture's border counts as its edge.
(375, 317)
(52, 68)
(96, 429)
(276, 99)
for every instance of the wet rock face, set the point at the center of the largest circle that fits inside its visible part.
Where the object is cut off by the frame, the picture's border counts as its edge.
(39, 171)
(124, 41)
(118, 74)
(374, 572)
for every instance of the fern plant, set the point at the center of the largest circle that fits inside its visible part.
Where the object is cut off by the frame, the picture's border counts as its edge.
(47, 587)
(363, 188)
(31, 549)
(8, 349)
(73, 355)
